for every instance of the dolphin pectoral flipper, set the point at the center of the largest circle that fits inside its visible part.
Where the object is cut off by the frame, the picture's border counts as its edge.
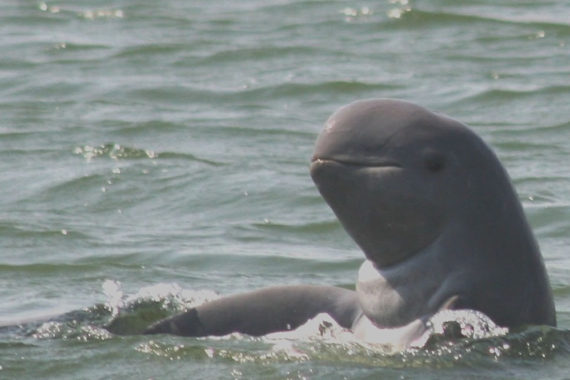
(260, 312)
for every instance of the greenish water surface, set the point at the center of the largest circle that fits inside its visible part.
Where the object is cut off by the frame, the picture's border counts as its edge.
(154, 154)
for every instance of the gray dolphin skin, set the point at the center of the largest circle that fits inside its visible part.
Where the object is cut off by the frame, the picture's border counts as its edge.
(436, 216)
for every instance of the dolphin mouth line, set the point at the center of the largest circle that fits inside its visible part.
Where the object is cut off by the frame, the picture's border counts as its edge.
(359, 163)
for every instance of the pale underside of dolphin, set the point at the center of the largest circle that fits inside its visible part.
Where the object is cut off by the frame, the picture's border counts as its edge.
(436, 216)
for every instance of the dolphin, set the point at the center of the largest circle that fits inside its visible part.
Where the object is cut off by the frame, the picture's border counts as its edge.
(437, 218)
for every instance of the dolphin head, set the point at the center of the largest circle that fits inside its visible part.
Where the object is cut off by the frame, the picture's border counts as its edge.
(395, 174)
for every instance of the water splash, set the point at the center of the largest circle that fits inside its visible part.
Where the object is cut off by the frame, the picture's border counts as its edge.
(114, 294)
(44, 7)
(401, 7)
(452, 337)
(459, 324)
(88, 14)
(72, 330)
(102, 13)
(113, 151)
(133, 314)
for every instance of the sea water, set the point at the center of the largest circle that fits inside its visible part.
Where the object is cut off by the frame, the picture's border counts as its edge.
(154, 155)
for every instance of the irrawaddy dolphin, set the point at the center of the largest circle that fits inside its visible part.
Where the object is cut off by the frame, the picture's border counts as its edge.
(436, 216)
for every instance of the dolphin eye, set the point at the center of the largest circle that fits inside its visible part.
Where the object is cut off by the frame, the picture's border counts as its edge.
(434, 161)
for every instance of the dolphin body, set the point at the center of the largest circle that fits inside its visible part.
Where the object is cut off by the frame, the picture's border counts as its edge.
(437, 218)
